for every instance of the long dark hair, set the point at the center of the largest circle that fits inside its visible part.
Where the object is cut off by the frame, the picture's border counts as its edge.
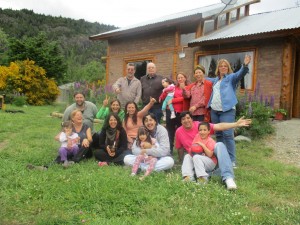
(106, 122)
(134, 117)
(142, 130)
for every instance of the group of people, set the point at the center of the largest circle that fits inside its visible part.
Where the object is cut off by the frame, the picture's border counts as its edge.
(137, 139)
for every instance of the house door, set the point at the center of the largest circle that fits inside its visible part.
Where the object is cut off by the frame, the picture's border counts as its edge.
(296, 91)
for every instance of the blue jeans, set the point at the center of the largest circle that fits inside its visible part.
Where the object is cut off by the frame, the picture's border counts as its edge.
(226, 136)
(224, 167)
(157, 112)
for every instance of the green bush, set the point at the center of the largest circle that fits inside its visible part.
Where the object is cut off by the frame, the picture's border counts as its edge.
(260, 113)
(19, 101)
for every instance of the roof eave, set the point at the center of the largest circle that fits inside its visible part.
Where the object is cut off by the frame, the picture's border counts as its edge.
(153, 26)
(259, 36)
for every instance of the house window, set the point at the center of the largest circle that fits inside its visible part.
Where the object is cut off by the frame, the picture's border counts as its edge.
(140, 66)
(236, 59)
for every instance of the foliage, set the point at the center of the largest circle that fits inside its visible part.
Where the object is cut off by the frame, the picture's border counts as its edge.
(90, 72)
(95, 91)
(280, 110)
(70, 36)
(30, 80)
(19, 100)
(268, 191)
(3, 47)
(259, 111)
(45, 54)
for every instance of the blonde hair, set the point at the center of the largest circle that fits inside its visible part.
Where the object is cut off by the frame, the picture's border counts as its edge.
(227, 64)
(73, 113)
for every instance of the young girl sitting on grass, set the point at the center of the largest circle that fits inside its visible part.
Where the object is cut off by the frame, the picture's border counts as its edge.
(144, 141)
(69, 143)
(201, 158)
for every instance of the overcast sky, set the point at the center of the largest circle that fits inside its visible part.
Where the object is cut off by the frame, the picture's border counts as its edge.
(125, 13)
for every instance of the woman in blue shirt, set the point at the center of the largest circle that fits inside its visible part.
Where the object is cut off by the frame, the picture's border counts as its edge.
(223, 100)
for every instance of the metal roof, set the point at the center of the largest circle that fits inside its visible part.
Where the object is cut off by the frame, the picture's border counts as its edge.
(201, 13)
(280, 20)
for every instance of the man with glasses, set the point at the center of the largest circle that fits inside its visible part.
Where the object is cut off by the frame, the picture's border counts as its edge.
(128, 88)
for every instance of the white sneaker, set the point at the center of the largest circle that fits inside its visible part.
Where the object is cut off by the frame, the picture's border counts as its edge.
(173, 115)
(234, 166)
(230, 184)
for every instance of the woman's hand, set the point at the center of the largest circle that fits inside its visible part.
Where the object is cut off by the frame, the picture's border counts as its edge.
(170, 102)
(105, 101)
(110, 153)
(152, 100)
(247, 59)
(192, 109)
(85, 143)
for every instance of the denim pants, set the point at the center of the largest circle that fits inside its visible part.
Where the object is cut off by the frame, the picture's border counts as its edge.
(224, 167)
(226, 136)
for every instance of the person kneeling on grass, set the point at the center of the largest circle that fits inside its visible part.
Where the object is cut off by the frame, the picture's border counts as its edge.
(201, 158)
(144, 141)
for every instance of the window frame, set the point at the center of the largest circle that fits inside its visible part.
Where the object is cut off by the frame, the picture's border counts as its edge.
(252, 65)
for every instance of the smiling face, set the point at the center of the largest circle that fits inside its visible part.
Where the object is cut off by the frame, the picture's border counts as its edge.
(115, 106)
(131, 109)
(203, 131)
(149, 123)
(79, 99)
(130, 71)
(112, 121)
(223, 67)
(77, 118)
(187, 122)
(199, 75)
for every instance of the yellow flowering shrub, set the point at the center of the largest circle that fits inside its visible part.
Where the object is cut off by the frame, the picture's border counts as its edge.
(24, 77)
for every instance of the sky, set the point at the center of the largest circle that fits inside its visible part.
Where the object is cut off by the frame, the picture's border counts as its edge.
(122, 13)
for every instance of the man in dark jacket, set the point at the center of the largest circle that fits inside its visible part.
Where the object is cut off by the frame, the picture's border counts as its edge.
(152, 87)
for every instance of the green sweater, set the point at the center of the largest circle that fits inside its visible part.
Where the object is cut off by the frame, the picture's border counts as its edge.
(104, 111)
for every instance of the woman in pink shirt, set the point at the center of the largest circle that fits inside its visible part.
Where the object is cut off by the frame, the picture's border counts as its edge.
(180, 104)
(133, 119)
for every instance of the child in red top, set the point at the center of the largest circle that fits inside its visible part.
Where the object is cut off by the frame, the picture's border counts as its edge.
(201, 158)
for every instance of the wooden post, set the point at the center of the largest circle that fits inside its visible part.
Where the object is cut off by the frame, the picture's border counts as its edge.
(286, 97)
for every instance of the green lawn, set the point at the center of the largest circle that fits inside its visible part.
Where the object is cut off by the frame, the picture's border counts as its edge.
(268, 191)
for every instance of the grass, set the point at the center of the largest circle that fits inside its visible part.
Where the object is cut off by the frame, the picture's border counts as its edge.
(268, 191)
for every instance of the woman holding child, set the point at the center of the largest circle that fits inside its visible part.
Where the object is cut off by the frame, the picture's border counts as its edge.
(180, 104)
(161, 151)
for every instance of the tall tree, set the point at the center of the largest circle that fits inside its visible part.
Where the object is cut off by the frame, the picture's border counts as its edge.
(45, 53)
(3, 47)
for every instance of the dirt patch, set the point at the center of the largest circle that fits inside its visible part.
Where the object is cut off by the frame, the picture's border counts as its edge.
(286, 141)
(3, 144)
